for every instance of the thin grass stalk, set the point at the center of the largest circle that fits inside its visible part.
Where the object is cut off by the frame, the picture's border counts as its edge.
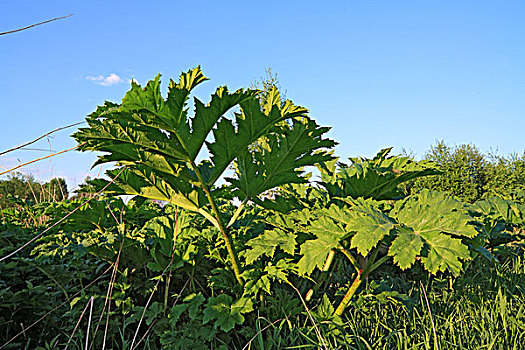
(31, 188)
(168, 280)
(38, 159)
(108, 297)
(62, 192)
(436, 345)
(148, 302)
(318, 332)
(111, 283)
(77, 324)
(107, 301)
(152, 323)
(259, 332)
(89, 322)
(40, 137)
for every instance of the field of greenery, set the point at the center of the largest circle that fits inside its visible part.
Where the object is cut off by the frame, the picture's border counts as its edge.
(230, 224)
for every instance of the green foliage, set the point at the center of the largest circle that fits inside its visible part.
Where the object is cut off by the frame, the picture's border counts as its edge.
(156, 145)
(268, 242)
(281, 160)
(225, 312)
(168, 253)
(471, 175)
(429, 225)
(314, 252)
(437, 223)
(506, 176)
(27, 190)
(377, 178)
(464, 171)
(502, 220)
(370, 225)
(202, 271)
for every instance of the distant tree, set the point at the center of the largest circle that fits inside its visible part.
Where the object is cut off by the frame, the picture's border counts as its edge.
(26, 188)
(471, 175)
(17, 185)
(506, 175)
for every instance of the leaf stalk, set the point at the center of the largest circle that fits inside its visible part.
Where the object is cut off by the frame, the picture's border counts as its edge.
(234, 259)
(371, 265)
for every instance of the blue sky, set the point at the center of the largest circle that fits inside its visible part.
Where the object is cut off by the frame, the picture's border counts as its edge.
(380, 73)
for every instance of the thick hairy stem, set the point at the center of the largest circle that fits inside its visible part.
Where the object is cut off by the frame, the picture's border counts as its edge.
(349, 294)
(361, 276)
(234, 259)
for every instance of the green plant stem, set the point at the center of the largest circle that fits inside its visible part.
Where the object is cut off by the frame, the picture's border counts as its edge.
(325, 268)
(378, 263)
(361, 276)
(350, 257)
(349, 294)
(234, 259)
(167, 287)
(329, 260)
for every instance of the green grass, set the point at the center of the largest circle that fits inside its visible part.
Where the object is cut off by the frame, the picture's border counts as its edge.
(482, 309)
(485, 309)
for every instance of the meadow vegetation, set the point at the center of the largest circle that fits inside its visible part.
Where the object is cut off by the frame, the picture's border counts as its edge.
(228, 241)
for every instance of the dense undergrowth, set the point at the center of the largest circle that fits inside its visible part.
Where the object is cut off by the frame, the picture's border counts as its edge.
(367, 255)
(484, 307)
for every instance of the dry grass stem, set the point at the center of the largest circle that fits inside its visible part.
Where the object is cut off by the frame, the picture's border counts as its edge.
(34, 25)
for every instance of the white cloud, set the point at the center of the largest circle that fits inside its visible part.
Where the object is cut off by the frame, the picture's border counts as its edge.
(109, 80)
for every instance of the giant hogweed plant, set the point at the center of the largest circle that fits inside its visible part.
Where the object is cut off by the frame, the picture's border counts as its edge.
(159, 145)
(360, 212)
(500, 219)
(431, 227)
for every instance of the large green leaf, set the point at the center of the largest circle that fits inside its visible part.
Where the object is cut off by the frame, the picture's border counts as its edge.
(207, 116)
(266, 244)
(435, 212)
(315, 251)
(157, 142)
(406, 247)
(280, 160)
(432, 225)
(497, 208)
(260, 279)
(225, 312)
(378, 178)
(369, 224)
(444, 253)
(252, 123)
